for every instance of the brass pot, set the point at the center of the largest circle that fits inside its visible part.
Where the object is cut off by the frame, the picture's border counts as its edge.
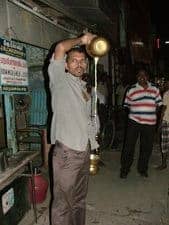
(98, 47)
(93, 170)
(94, 163)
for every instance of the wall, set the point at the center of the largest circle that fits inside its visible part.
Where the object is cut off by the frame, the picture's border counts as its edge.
(3, 20)
(22, 25)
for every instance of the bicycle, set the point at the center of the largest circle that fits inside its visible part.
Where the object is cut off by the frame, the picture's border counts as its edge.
(108, 128)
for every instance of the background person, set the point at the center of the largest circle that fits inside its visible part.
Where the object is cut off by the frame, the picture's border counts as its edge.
(142, 101)
(165, 128)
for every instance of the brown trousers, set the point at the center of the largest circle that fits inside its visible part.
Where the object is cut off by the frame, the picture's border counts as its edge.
(70, 180)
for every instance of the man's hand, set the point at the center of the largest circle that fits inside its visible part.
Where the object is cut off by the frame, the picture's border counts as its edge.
(87, 38)
(66, 45)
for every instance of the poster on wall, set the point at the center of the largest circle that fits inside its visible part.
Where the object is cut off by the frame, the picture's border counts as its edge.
(13, 67)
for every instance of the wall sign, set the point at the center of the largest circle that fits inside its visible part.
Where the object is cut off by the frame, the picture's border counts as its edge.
(13, 67)
(7, 200)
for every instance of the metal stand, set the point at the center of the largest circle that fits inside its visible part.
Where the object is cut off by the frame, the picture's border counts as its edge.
(33, 192)
(31, 176)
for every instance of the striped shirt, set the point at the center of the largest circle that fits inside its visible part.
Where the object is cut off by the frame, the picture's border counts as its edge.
(142, 103)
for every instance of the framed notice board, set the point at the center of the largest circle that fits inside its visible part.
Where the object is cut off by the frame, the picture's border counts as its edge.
(13, 67)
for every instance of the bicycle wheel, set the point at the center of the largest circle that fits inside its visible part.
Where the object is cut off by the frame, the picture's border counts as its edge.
(108, 135)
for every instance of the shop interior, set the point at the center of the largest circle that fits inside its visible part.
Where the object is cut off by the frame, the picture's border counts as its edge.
(23, 139)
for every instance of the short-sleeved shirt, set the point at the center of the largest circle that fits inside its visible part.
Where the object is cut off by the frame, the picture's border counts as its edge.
(71, 121)
(166, 103)
(142, 103)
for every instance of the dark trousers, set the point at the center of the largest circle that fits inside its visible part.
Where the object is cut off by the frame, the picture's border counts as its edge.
(70, 184)
(146, 133)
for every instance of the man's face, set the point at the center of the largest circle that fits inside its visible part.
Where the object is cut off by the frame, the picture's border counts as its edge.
(142, 78)
(76, 64)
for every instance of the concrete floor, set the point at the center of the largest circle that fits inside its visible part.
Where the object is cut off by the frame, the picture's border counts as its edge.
(114, 201)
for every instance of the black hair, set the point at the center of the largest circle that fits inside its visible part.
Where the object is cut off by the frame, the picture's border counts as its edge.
(80, 49)
(142, 70)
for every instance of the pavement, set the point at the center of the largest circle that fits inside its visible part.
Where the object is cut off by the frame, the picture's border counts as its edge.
(114, 201)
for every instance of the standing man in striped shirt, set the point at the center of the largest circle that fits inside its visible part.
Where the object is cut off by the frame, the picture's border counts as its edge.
(142, 101)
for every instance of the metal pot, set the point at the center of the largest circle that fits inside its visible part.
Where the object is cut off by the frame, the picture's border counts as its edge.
(98, 47)
(94, 163)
